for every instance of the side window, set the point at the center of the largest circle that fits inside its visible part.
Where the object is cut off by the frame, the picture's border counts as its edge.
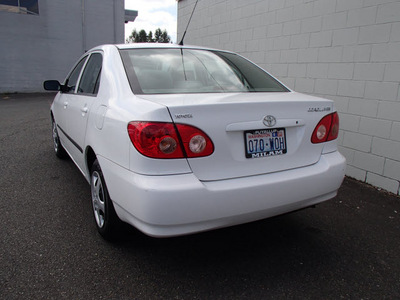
(73, 77)
(30, 7)
(89, 83)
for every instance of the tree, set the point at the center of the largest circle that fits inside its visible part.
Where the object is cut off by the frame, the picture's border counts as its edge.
(165, 37)
(157, 34)
(142, 37)
(133, 38)
(161, 36)
(150, 37)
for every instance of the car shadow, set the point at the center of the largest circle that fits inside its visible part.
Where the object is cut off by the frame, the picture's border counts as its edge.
(280, 247)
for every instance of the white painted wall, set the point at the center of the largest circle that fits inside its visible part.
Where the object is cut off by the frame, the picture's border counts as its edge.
(345, 50)
(35, 48)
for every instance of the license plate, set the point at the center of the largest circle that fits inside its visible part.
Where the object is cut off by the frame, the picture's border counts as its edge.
(265, 142)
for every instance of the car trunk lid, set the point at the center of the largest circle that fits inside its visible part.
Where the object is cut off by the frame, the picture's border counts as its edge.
(237, 122)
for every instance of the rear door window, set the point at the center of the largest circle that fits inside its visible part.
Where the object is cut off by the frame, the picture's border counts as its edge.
(90, 80)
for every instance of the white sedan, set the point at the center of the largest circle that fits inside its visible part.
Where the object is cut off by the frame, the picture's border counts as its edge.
(176, 139)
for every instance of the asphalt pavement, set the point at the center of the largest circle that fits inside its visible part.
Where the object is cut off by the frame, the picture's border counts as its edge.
(345, 248)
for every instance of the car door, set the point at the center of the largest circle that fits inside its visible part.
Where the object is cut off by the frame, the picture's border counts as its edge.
(61, 104)
(79, 106)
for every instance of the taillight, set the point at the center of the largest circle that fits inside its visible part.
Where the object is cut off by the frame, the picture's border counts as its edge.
(158, 140)
(162, 140)
(327, 129)
(195, 141)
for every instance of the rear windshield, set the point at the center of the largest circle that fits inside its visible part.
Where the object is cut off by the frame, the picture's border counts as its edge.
(176, 71)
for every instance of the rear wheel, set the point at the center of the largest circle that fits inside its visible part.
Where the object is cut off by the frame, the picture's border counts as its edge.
(58, 148)
(107, 221)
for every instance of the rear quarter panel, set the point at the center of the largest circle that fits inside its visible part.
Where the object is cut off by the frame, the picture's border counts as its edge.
(110, 115)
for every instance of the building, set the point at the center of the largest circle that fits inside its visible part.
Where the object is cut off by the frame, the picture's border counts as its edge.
(41, 39)
(344, 50)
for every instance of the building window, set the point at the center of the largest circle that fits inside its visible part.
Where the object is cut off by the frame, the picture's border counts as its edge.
(30, 7)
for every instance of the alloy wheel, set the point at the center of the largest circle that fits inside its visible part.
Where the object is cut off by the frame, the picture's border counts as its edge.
(56, 139)
(98, 199)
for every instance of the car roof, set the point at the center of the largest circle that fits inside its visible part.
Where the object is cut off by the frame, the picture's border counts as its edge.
(153, 46)
(158, 46)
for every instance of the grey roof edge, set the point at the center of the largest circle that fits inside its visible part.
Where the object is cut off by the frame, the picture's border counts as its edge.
(130, 15)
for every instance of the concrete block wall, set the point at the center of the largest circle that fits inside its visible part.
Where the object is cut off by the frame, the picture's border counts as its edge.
(344, 50)
(34, 48)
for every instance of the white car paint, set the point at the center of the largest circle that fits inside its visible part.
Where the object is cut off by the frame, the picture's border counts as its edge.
(168, 197)
(225, 116)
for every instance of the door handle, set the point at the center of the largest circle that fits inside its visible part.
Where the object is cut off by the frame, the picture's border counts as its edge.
(84, 109)
(65, 104)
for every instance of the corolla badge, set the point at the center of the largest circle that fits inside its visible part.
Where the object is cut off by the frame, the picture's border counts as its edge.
(184, 116)
(269, 121)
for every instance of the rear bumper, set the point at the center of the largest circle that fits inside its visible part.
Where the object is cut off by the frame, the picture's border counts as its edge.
(174, 205)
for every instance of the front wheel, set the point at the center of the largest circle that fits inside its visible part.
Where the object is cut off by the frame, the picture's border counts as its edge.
(107, 221)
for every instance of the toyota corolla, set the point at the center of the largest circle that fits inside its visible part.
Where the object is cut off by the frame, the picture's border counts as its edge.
(177, 139)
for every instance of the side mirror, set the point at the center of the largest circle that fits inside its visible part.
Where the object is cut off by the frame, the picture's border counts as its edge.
(52, 85)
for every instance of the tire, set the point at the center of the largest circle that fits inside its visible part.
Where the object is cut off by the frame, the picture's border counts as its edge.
(58, 148)
(106, 219)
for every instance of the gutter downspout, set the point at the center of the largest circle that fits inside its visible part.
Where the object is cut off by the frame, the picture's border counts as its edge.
(115, 24)
(83, 27)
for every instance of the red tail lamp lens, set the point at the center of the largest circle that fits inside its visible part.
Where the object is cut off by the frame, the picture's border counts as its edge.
(333, 134)
(195, 141)
(156, 140)
(161, 140)
(327, 129)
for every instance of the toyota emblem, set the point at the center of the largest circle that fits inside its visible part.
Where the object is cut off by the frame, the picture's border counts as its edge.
(269, 121)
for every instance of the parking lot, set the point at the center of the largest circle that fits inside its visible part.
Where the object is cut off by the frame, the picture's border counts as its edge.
(345, 248)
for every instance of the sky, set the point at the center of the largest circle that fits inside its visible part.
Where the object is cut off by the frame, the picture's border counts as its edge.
(153, 14)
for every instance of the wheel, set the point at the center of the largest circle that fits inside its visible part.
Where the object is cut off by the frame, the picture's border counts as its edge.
(58, 148)
(107, 221)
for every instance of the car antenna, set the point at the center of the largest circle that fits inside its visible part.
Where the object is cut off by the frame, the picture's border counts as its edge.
(181, 42)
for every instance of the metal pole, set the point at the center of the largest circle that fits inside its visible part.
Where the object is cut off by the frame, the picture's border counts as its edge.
(115, 23)
(83, 27)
